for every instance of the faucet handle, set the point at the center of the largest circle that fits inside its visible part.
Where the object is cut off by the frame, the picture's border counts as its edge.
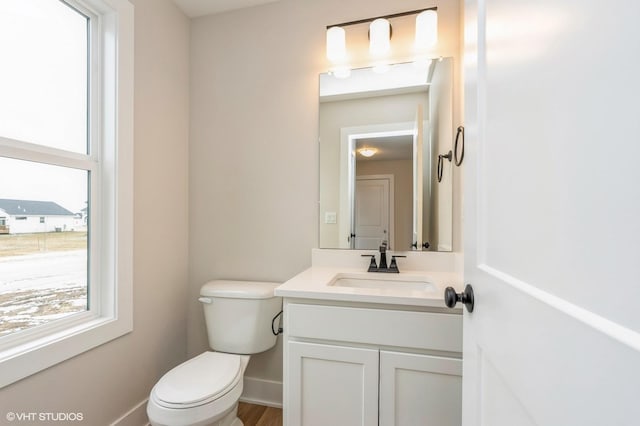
(393, 266)
(372, 265)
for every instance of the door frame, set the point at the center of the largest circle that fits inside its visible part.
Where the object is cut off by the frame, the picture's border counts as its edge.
(348, 139)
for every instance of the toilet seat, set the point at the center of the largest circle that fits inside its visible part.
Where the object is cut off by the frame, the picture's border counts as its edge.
(199, 381)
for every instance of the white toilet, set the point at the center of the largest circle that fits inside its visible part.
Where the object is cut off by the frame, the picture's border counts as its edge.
(205, 390)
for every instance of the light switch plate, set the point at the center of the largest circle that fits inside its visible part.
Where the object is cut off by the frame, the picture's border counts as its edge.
(330, 217)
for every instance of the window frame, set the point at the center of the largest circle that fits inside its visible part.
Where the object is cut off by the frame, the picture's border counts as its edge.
(110, 165)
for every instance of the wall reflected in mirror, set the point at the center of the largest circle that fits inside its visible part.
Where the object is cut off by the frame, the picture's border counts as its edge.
(380, 137)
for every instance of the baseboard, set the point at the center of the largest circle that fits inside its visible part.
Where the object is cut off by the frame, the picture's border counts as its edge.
(137, 416)
(262, 392)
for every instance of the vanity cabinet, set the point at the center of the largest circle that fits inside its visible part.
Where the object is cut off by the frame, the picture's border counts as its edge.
(332, 385)
(420, 390)
(363, 364)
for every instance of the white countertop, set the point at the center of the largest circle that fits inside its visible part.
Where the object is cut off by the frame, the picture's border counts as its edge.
(313, 284)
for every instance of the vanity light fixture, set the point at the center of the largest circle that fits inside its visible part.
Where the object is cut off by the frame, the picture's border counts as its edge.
(367, 152)
(380, 32)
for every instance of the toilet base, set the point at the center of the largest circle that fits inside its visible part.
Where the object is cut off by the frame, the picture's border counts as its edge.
(230, 419)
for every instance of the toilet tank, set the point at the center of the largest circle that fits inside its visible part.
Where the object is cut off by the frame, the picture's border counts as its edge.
(238, 315)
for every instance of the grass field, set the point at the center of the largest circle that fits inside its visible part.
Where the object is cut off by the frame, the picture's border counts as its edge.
(21, 244)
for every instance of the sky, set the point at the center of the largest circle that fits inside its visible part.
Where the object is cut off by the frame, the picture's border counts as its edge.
(43, 97)
(24, 180)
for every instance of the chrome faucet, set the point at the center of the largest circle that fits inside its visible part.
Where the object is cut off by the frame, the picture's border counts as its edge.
(393, 266)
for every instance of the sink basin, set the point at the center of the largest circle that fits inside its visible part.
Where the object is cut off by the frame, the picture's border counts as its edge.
(382, 282)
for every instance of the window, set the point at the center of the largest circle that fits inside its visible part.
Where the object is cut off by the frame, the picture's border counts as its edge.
(65, 178)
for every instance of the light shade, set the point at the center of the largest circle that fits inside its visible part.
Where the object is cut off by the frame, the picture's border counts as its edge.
(367, 152)
(426, 29)
(336, 45)
(379, 37)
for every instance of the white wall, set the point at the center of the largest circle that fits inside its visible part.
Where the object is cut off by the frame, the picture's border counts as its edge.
(253, 145)
(106, 382)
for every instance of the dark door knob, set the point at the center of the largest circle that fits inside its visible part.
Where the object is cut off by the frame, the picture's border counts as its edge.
(451, 298)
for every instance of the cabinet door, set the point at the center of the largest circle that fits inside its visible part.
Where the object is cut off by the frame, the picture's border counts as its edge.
(332, 385)
(420, 390)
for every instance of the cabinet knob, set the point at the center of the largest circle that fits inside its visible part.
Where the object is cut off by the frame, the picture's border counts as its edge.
(451, 298)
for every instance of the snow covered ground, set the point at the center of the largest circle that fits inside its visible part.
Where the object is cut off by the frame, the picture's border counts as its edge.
(38, 288)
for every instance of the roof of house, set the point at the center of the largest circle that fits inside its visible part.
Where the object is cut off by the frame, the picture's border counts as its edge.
(33, 208)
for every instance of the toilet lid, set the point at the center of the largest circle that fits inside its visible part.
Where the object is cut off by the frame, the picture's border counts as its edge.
(200, 379)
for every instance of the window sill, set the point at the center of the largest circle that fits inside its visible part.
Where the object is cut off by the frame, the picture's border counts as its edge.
(25, 359)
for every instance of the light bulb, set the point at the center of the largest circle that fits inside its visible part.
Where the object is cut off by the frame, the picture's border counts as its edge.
(336, 44)
(379, 36)
(426, 29)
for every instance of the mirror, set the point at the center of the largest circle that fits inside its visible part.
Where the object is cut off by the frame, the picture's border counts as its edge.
(381, 135)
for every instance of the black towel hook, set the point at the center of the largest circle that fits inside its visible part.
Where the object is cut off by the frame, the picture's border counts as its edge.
(448, 156)
(273, 325)
(458, 160)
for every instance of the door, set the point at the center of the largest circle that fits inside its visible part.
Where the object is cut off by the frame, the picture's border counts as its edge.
(332, 385)
(372, 212)
(552, 208)
(419, 390)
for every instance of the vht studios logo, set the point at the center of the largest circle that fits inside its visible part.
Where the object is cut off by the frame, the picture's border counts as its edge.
(44, 417)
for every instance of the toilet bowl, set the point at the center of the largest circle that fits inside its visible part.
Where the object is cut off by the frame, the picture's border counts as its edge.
(205, 389)
(202, 391)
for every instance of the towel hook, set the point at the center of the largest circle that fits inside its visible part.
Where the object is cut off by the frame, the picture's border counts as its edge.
(458, 160)
(448, 156)
(273, 325)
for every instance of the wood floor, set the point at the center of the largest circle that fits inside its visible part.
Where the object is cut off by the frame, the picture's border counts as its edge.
(259, 415)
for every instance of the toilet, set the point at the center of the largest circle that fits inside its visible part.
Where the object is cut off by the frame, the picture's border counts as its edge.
(205, 390)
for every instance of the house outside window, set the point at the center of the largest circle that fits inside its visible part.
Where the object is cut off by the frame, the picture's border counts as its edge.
(65, 147)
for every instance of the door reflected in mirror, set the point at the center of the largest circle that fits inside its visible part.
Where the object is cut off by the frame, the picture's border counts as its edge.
(380, 137)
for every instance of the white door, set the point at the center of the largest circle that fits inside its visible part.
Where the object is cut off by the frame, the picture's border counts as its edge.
(552, 213)
(419, 389)
(332, 385)
(372, 212)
